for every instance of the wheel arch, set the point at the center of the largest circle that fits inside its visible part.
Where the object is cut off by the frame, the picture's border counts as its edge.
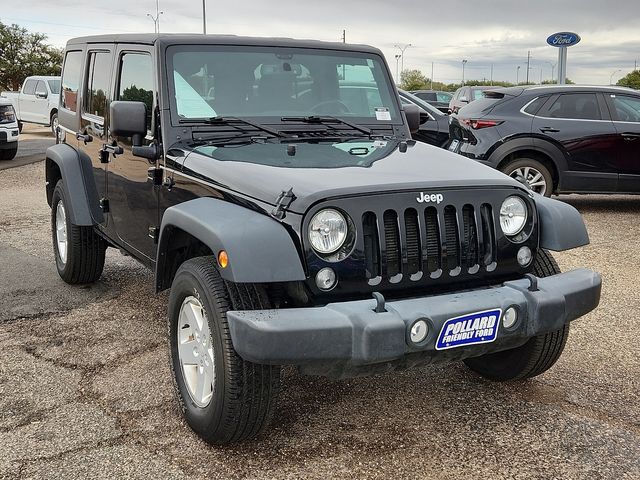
(74, 168)
(260, 250)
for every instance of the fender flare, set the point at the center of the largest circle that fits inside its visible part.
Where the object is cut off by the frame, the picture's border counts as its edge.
(561, 225)
(259, 248)
(536, 144)
(79, 185)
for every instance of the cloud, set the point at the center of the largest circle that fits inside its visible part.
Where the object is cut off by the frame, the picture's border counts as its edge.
(496, 33)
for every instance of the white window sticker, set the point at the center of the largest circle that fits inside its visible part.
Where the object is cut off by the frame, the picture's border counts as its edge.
(382, 113)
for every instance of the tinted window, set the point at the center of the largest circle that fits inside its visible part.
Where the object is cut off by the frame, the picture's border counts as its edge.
(136, 80)
(41, 87)
(443, 97)
(71, 80)
(534, 106)
(98, 77)
(54, 86)
(425, 95)
(29, 87)
(581, 106)
(627, 108)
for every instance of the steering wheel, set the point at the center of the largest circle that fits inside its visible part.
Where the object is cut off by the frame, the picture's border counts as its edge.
(341, 106)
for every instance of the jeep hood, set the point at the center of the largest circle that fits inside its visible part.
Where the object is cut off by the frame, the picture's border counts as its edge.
(318, 171)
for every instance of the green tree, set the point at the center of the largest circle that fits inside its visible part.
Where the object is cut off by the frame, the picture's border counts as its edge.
(567, 81)
(22, 54)
(631, 80)
(413, 80)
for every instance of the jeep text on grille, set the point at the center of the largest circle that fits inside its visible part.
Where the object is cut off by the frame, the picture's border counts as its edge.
(296, 222)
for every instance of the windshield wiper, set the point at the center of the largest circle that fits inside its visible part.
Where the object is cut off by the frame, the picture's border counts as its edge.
(231, 121)
(324, 119)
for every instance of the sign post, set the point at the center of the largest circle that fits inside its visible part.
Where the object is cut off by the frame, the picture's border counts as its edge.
(561, 41)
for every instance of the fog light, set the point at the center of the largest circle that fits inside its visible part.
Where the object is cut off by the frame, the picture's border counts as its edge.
(418, 331)
(524, 256)
(326, 279)
(510, 317)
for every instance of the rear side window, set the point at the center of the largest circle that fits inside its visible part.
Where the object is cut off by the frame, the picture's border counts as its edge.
(71, 80)
(41, 88)
(534, 106)
(98, 80)
(627, 108)
(29, 87)
(578, 106)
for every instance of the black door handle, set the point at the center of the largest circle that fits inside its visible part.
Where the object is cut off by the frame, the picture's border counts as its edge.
(84, 137)
(549, 130)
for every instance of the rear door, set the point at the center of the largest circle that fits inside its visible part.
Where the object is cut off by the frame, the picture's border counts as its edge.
(27, 101)
(625, 111)
(579, 124)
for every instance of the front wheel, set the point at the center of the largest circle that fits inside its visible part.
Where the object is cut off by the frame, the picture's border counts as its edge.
(224, 398)
(54, 124)
(536, 356)
(9, 153)
(536, 174)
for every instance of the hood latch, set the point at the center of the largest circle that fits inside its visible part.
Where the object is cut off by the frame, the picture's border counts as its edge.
(282, 204)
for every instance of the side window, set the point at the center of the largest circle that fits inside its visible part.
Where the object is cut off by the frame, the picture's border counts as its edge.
(136, 80)
(443, 97)
(97, 85)
(41, 88)
(29, 87)
(579, 106)
(71, 80)
(627, 108)
(534, 106)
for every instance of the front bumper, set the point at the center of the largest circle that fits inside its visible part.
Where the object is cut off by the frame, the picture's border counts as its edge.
(345, 336)
(8, 136)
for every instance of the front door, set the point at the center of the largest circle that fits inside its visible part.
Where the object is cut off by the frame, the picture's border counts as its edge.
(28, 101)
(625, 111)
(133, 199)
(94, 115)
(577, 124)
(41, 104)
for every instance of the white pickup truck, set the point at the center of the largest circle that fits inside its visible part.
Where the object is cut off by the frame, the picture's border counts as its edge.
(37, 101)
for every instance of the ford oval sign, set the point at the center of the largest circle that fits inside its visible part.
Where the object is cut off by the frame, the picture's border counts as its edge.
(563, 39)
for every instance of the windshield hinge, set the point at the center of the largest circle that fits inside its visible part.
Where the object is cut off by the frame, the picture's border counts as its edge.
(282, 204)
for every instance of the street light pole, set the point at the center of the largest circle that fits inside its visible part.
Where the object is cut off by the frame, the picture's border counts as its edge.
(518, 75)
(402, 48)
(397, 60)
(204, 17)
(156, 19)
(464, 62)
(611, 77)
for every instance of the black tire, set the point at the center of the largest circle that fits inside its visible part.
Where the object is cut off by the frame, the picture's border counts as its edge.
(54, 123)
(244, 394)
(9, 153)
(19, 127)
(521, 164)
(85, 248)
(536, 356)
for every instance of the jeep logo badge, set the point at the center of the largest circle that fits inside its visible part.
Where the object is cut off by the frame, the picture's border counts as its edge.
(433, 198)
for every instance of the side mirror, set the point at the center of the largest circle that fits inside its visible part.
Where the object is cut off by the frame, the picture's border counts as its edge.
(464, 100)
(42, 94)
(412, 114)
(128, 119)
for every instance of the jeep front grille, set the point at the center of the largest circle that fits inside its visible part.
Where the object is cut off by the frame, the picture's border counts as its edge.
(428, 241)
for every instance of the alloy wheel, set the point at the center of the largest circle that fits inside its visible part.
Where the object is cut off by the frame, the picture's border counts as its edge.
(61, 231)
(534, 178)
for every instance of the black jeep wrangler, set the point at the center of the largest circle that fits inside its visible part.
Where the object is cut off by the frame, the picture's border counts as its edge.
(296, 222)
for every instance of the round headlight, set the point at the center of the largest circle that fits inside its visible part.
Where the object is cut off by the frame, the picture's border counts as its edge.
(327, 231)
(513, 215)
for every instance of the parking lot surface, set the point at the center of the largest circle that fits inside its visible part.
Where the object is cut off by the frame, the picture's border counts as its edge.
(85, 388)
(33, 140)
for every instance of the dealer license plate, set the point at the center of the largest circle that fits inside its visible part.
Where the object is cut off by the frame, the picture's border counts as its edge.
(471, 329)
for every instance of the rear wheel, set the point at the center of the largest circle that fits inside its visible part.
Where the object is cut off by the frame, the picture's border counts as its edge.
(9, 153)
(536, 174)
(79, 250)
(224, 398)
(536, 356)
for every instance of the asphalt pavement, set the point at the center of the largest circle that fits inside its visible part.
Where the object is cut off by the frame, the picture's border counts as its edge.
(85, 389)
(32, 143)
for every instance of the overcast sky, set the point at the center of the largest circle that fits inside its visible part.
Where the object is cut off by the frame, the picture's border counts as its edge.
(485, 33)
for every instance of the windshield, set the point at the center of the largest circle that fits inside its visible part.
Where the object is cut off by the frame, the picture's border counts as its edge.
(54, 86)
(233, 81)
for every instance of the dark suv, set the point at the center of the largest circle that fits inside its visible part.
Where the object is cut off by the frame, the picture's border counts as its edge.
(561, 139)
(295, 228)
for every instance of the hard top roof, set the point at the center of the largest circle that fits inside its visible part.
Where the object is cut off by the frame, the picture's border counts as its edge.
(165, 39)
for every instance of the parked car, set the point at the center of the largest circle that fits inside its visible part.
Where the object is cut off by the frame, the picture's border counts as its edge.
(434, 125)
(437, 98)
(281, 223)
(465, 95)
(8, 130)
(37, 101)
(561, 139)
